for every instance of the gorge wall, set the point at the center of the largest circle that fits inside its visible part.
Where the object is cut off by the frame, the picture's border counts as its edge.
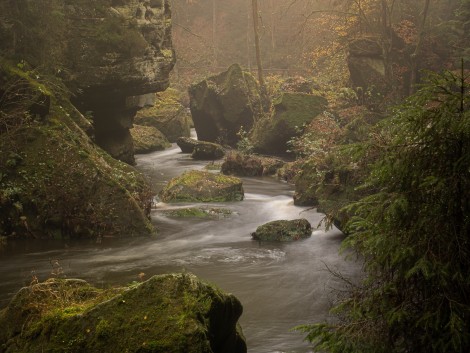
(112, 54)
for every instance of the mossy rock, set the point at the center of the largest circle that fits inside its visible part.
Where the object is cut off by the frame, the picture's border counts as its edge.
(291, 112)
(222, 104)
(202, 186)
(168, 115)
(207, 151)
(241, 164)
(174, 313)
(186, 144)
(283, 231)
(55, 183)
(148, 139)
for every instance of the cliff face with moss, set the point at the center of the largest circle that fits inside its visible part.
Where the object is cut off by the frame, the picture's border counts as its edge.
(54, 181)
(73, 73)
(110, 53)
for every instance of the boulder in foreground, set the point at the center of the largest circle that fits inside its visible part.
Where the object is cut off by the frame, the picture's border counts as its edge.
(174, 313)
(283, 230)
(202, 186)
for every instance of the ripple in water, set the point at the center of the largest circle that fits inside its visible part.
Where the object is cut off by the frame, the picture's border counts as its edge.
(232, 256)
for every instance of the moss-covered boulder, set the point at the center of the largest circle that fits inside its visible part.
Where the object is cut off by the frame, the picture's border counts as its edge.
(291, 112)
(202, 186)
(148, 139)
(167, 115)
(187, 144)
(207, 151)
(222, 104)
(175, 313)
(54, 181)
(284, 231)
(241, 164)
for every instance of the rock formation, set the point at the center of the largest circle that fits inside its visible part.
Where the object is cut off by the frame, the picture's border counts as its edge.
(148, 139)
(291, 111)
(174, 313)
(187, 144)
(167, 114)
(222, 104)
(201, 186)
(207, 151)
(54, 182)
(240, 164)
(283, 230)
(112, 55)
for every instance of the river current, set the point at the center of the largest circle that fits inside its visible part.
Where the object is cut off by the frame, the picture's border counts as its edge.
(280, 285)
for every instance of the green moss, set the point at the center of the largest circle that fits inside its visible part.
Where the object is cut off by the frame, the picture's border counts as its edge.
(297, 109)
(148, 139)
(202, 186)
(283, 230)
(59, 184)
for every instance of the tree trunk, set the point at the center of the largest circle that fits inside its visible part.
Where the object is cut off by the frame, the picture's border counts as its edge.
(416, 54)
(214, 34)
(254, 5)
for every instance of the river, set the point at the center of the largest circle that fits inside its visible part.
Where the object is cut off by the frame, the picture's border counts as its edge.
(279, 285)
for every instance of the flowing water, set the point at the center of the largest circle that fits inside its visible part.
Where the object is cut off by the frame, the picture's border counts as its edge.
(279, 285)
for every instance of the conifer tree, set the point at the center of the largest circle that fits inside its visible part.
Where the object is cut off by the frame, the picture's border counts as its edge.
(413, 233)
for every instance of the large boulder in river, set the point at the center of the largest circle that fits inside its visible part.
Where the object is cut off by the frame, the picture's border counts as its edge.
(283, 230)
(167, 114)
(174, 313)
(291, 112)
(148, 139)
(112, 55)
(241, 164)
(221, 105)
(202, 186)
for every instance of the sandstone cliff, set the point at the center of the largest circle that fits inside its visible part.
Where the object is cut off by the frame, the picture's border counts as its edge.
(109, 53)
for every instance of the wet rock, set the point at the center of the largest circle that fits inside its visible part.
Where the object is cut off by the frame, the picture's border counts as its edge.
(167, 114)
(148, 139)
(240, 164)
(284, 231)
(186, 144)
(207, 151)
(174, 313)
(202, 186)
(222, 104)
